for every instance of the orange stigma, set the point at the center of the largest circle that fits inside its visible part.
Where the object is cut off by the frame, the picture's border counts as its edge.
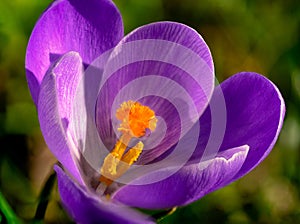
(135, 120)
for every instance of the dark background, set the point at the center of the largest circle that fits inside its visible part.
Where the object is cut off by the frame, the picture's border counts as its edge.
(243, 35)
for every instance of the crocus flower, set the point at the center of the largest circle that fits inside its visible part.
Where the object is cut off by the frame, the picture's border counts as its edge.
(136, 121)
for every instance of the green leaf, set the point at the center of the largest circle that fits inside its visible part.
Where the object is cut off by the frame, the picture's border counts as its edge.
(44, 198)
(7, 211)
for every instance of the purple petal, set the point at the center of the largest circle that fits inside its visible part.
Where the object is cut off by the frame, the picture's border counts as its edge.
(160, 64)
(54, 108)
(255, 113)
(86, 207)
(253, 116)
(82, 120)
(88, 27)
(187, 185)
(177, 33)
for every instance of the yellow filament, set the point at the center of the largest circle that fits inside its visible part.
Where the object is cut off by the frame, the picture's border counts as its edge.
(135, 119)
(111, 161)
(129, 158)
(133, 154)
(116, 164)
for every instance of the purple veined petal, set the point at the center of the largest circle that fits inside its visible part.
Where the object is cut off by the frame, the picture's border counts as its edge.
(176, 33)
(203, 139)
(149, 59)
(54, 107)
(174, 44)
(87, 27)
(82, 121)
(86, 207)
(185, 186)
(254, 115)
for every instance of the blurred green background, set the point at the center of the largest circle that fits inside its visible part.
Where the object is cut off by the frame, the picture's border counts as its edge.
(243, 35)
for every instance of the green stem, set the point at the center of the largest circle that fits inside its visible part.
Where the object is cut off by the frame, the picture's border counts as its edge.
(45, 198)
(7, 211)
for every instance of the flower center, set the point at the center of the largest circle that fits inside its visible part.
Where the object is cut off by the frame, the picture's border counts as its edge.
(135, 119)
